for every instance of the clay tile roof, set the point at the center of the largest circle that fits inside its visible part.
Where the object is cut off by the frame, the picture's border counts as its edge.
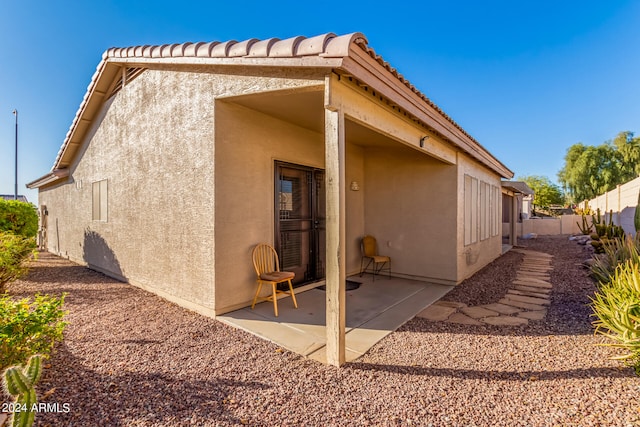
(327, 46)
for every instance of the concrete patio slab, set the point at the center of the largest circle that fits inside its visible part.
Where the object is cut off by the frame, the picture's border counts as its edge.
(374, 310)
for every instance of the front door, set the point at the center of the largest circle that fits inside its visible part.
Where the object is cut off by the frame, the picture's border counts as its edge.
(300, 222)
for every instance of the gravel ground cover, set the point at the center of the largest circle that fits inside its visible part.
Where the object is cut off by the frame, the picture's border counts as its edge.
(130, 358)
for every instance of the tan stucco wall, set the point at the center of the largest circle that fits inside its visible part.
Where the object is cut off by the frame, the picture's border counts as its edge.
(410, 208)
(191, 188)
(474, 256)
(247, 145)
(154, 146)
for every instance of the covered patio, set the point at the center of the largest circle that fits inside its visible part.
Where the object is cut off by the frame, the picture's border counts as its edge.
(373, 310)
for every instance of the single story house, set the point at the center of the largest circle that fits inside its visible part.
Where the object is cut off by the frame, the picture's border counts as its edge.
(517, 204)
(183, 157)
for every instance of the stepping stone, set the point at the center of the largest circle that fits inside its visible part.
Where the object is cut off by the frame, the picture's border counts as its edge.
(529, 271)
(533, 254)
(527, 293)
(534, 283)
(528, 264)
(453, 304)
(534, 275)
(528, 300)
(462, 319)
(501, 308)
(533, 315)
(534, 270)
(478, 312)
(437, 313)
(505, 321)
(536, 289)
(521, 304)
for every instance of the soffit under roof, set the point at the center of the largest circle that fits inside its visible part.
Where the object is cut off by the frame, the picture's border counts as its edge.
(518, 187)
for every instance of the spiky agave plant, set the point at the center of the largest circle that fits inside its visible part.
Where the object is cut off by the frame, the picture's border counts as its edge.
(20, 383)
(617, 307)
(618, 251)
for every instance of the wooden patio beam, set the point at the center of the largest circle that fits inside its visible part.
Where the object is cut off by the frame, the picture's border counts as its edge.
(335, 228)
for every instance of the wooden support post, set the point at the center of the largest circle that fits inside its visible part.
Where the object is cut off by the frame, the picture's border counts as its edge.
(514, 220)
(335, 235)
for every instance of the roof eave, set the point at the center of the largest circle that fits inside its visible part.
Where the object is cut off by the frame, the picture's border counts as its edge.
(384, 80)
(50, 178)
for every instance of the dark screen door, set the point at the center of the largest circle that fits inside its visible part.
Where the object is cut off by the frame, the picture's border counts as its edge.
(300, 222)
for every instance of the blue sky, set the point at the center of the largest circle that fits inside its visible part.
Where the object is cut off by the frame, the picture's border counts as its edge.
(527, 79)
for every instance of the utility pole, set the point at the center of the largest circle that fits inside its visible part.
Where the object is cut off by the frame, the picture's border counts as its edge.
(15, 194)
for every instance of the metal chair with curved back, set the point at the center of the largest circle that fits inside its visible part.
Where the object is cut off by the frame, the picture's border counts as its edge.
(267, 267)
(369, 247)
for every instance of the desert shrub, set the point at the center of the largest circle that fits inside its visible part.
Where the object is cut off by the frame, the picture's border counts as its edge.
(29, 326)
(15, 253)
(18, 218)
(615, 252)
(617, 307)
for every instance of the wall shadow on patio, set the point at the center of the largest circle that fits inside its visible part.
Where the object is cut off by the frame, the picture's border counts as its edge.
(123, 397)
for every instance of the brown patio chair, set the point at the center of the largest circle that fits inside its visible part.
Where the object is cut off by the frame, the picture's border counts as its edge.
(378, 263)
(267, 266)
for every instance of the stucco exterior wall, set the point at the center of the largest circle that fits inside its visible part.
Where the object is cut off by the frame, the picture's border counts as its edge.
(153, 144)
(473, 256)
(410, 208)
(190, 178)
(248, 143)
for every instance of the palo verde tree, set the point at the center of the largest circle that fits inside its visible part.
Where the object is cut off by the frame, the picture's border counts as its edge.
(546, 192)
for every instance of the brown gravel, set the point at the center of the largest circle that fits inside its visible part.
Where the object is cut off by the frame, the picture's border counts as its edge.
(130, 358)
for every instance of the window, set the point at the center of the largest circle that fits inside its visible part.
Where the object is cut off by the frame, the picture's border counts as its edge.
(470, 210)
(99, 200)
(481, 210)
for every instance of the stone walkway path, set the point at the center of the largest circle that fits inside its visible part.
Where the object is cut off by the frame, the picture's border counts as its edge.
(527, 299)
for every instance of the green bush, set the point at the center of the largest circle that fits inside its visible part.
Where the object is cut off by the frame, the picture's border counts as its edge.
(18, 218)
(28, 327)
(15, 253)
(617, 307)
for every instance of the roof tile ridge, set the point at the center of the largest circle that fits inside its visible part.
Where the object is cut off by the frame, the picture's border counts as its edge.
(287, 48)
(242, 48)
(313, 45)
(261, 48)
(221, 50)
(339, 46)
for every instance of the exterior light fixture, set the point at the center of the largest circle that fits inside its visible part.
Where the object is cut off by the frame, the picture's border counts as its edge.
(422, 140)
